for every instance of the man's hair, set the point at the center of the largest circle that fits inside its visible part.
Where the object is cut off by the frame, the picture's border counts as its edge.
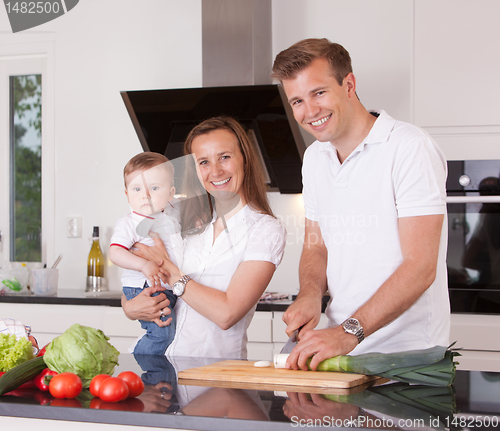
(145, 161)
(291, 61)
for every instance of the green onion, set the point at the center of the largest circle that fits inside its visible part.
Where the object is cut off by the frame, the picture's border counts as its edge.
(434, 366)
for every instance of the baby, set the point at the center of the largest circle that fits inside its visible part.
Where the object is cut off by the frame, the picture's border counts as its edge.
(149, 186)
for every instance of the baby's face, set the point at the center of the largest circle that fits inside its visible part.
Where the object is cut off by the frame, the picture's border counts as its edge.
(149, 191)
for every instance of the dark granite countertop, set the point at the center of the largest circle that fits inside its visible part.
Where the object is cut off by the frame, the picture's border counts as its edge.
(112, 298)
(181, 404)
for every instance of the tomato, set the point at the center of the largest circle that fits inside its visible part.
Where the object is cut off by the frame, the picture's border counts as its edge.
(134, 383)
(113, 390)
(95, 383)
(65, 385)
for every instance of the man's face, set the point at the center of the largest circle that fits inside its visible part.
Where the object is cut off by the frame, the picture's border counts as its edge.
(149, 191)
(320, 105)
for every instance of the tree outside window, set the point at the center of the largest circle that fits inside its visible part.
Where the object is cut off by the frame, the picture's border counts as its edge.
(26, 169)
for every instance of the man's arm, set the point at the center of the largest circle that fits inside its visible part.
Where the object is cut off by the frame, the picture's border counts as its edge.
(306, 309)
(419, 239)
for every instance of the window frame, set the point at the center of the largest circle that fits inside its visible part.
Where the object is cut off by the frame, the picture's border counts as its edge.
(27, 59)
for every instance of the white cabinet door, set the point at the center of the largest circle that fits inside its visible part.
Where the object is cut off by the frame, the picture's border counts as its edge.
(457, 63)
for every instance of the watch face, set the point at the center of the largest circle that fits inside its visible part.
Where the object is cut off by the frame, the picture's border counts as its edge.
(351, 325)
(178, 288)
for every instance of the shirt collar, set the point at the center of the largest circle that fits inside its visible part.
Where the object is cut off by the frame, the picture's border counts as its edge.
(381, 129)
(235, 218)
(379, 133)
(139, 216)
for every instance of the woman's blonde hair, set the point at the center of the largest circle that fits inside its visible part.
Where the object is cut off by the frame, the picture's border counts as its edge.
(253, 185)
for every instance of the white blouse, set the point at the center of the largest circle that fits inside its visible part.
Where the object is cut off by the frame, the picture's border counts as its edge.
(249, 236)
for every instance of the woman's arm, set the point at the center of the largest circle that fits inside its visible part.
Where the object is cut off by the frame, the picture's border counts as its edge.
(227, 308)
(223, 308)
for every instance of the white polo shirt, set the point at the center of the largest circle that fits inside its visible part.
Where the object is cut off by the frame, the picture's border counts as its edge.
(397, 171)
(166, 224)
(249, 236)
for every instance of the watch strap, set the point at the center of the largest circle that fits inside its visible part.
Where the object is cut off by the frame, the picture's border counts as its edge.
(182, 281)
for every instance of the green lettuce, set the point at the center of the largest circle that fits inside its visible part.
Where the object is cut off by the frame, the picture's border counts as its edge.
(84, 351)
(14, 352)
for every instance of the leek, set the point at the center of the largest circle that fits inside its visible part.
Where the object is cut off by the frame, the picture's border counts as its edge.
(433, 367)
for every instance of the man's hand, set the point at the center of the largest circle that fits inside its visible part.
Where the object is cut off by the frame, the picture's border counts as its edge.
(304, 313)
(321, 344)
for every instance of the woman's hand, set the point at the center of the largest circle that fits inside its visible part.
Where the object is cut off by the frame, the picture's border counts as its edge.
(154, 273)
(147, 307)
(158, 253)
(153, 253)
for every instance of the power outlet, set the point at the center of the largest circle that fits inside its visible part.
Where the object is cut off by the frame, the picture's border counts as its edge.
(74, 227)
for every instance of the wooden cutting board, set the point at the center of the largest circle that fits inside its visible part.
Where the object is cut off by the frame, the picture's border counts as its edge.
(238, 373)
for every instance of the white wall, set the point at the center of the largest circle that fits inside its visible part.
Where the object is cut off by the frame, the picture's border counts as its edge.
(378, 35)
(100, 49)
(406, 57)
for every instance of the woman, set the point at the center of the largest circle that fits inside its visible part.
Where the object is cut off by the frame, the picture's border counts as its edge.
(231, 262)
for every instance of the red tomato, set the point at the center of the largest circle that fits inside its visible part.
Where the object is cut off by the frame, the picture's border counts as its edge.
(95, 383)
(134, 383)
(65, 385)
(113, 390)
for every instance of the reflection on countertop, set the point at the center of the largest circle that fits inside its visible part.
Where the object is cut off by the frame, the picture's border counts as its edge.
(169, 402)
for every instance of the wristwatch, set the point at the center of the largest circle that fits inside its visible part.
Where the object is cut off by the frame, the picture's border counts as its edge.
(352, 326)
(179, 286)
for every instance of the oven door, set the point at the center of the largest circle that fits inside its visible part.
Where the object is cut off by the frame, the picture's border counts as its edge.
(474, 254)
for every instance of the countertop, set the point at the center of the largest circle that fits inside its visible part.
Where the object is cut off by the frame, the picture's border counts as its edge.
(177, 405)
(112, 298)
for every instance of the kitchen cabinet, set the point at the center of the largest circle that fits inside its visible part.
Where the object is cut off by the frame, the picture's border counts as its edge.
(454, 50)
(51, 320)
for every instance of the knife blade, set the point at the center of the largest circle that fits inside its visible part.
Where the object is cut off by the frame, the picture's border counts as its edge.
(291, 343)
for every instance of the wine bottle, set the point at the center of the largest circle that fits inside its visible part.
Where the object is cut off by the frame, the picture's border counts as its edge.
(95, 265)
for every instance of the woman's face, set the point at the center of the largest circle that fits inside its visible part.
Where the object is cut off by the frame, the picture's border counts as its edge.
(220, 164)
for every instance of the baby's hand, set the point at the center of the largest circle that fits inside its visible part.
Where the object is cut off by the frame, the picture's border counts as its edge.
(152, 272)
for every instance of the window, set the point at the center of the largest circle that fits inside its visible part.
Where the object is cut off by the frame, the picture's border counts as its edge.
(25, 170)
(26, 158)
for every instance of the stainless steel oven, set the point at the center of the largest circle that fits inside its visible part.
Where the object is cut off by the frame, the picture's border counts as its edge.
(473, 201)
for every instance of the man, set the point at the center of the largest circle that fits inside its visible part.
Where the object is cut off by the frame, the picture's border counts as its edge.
(375, 206)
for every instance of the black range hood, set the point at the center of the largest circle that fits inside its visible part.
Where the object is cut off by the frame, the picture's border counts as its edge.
(163, 118)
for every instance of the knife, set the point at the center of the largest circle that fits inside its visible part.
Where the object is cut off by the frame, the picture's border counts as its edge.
(291, 343)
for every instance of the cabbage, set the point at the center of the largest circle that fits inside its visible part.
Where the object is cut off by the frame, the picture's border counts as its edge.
(14, 352)
(82, 350)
